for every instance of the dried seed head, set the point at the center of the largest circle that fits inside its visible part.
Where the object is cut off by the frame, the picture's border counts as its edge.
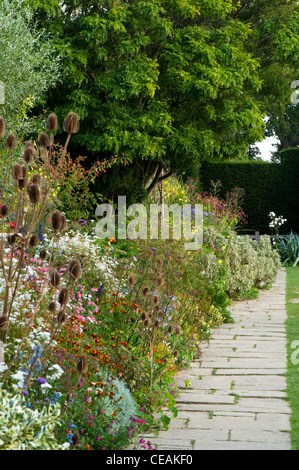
(33, 193)
(44, 140)
(169, 257)
(178, 330)
(160, 281)
(17, 171)
(146, 323)
(176, 353)
(55, 278)
(61, 316)
(159, 261)
(28, 154)
(132, 320)
(63, 222)
(52, 306)
(132, 280)
(25, 172)
(145, 291)
(3, 210)
(75, 438)
(43, 253)
(157, 323)
(34, 241)
(11, 141)
(2, 126)
(21, 183)
(170, 329)
(75, 269)
(36, 179)
(11, 239)
(4, 322)
(56, 220)
(143, 316)
(71, 123)
(64, 296)
(52, 122)
(156, 299)
(82, 365)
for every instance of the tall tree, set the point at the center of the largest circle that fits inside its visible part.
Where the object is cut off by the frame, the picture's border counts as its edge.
(29, 64)
(169, 83)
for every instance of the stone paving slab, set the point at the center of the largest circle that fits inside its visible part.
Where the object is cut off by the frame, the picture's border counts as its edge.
(236, 399)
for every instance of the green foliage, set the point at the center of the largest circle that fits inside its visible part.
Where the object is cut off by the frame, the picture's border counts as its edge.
(288, 249)
(29, 65)
(170, 83)
(22, 428)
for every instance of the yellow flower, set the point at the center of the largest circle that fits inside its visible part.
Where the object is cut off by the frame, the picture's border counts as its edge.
(220, 261)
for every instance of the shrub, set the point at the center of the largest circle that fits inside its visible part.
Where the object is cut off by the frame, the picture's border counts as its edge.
(22, 428)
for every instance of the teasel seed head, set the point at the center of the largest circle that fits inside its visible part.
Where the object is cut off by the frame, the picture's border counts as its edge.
(56, 220)
(75, 269)
(176, 353)
(11, 141)
(2, 126)
(52, 306)
(178, 330)
(63, 222)
(4, 322)
(36, 179)
(33, 193)
(44, 140)
(11, 239)
(143, 316)
(159, 261)
(156, 299)
(157, 323)
(75, 438)
(64, 296)
(132, 280)
(55, 278)
(71, 123)
(82, 365)
(146, 323)
(145, 291)
(4, 210)
(28, 154)
(43, 253)
(21, 183)
(160, 281)
(33, 241)
(61, 316)
(170, 329)
(169, 257)
(52, 122)
(17, 171)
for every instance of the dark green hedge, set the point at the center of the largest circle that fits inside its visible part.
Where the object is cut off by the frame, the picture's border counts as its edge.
(268, 187)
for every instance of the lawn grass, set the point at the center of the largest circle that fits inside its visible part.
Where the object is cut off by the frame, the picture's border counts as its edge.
(292, 329)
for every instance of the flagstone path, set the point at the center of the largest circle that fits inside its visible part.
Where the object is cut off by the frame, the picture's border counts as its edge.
(236, 399)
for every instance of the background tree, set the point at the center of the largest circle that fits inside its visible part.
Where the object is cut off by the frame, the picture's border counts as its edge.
(170, 83)
(28, 66)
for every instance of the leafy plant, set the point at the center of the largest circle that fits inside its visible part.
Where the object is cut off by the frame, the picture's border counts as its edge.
(288, 248)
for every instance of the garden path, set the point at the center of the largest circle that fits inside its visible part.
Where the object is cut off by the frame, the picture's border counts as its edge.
(236, 399)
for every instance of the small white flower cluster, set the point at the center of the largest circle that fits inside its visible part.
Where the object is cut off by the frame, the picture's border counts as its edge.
(276, 220)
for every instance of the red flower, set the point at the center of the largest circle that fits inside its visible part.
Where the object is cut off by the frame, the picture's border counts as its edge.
(12, 225)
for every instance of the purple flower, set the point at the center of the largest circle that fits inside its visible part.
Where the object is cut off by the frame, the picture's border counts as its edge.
(24, 392)
(153, 248)
(82, 222)
(41, 380)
